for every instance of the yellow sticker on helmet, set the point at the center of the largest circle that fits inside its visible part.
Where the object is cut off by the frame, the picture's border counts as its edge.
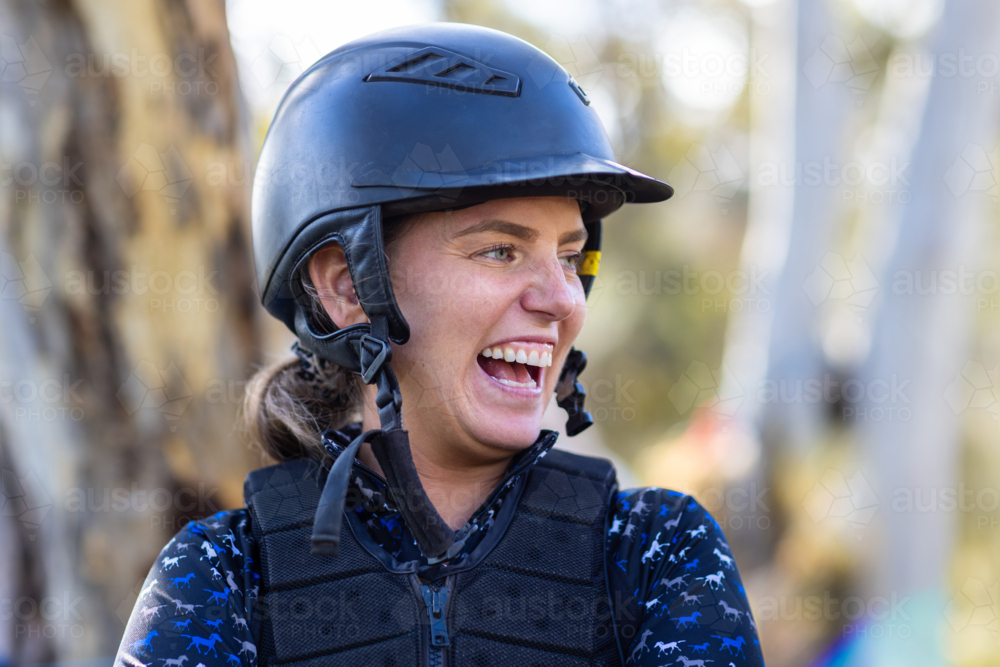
(591, 261)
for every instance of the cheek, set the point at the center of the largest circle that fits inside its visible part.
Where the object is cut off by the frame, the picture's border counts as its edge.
(451, 309)
(450, 313)
(453, 301)
(573, 324)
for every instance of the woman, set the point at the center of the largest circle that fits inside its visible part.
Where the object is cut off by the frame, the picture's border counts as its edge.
(427, 218)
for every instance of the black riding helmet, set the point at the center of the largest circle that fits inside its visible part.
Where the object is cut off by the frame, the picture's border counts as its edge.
(409, 120)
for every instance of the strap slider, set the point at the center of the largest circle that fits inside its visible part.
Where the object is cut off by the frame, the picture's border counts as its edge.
(374, 354)
(570, 394)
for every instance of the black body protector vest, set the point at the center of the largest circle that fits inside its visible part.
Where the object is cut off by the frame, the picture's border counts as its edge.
(534, 591)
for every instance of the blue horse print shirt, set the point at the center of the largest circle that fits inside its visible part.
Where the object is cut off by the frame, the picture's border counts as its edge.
(196, 606)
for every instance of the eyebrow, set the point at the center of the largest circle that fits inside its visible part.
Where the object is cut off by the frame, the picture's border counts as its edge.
(518, 231)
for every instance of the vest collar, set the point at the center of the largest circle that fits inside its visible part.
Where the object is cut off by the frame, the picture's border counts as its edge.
(497, 509)
(342, 437)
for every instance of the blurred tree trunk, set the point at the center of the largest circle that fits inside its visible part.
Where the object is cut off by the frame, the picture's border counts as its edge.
(126, 299)
(922, 342)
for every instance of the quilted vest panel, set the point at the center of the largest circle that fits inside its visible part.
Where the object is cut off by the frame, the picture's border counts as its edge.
(536, 596)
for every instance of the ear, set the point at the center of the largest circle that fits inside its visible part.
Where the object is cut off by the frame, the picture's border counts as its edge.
(329, 274)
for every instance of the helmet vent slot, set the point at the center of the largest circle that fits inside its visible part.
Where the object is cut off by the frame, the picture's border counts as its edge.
(458, 71)
(414, 63)
(440, 67)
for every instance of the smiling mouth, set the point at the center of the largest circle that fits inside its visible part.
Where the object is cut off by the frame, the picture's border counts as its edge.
(516, 364)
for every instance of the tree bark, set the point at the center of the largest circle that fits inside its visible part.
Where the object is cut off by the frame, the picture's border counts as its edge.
(128, 316)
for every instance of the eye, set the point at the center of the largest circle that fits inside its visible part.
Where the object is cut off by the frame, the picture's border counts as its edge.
(572, 261)
(501, 252)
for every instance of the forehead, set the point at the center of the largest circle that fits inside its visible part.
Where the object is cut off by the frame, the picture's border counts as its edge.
(557, 214)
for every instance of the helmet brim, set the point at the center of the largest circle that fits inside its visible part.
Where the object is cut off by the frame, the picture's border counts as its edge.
(603, 184)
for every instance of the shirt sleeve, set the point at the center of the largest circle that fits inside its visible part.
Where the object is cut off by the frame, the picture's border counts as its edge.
(669, 559)
(195, 604)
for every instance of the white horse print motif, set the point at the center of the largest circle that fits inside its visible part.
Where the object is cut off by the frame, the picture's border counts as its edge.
(714, 581)
(728, 611)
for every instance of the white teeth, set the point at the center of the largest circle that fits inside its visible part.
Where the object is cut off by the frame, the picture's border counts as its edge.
(520, 356)
(531, 384)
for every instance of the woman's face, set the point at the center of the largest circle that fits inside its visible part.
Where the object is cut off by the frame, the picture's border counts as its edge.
(494, 304)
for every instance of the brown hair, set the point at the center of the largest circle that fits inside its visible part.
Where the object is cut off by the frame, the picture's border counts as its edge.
(285, 415)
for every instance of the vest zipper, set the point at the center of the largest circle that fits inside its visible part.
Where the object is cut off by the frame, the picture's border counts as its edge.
(438, 626)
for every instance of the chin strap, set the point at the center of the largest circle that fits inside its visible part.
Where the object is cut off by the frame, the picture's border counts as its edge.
(391, 446)
(570, 393)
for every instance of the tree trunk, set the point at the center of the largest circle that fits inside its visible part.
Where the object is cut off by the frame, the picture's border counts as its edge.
(921, 343)
(128, 317)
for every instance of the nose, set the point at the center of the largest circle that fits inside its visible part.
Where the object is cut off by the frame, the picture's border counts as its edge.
(552, 293)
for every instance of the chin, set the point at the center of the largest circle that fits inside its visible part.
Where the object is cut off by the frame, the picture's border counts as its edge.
(505, 431)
